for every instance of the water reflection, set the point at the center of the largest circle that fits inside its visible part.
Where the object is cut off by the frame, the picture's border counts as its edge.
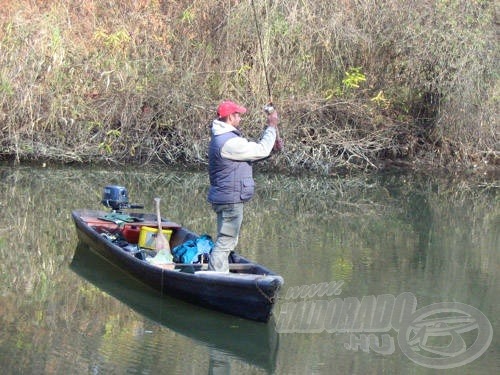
(382, 234)
(254, 343)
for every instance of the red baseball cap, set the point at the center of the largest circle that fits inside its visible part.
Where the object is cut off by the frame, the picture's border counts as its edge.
(227, 108)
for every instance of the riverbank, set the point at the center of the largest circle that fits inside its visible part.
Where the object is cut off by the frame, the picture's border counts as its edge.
(358, 87)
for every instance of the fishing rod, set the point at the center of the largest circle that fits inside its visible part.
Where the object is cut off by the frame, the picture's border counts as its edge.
(269, 107)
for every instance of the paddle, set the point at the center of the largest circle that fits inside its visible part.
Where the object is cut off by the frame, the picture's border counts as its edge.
(161, 243)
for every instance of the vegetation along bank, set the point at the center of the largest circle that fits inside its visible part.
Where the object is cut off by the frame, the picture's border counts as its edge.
(358, 84)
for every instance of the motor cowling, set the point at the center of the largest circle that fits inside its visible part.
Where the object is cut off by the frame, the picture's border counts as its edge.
(115, 197)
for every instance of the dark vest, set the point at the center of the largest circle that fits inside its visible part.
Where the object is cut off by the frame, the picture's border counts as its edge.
(230, 181)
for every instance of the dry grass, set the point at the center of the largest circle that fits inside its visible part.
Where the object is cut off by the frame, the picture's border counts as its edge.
(357, 83)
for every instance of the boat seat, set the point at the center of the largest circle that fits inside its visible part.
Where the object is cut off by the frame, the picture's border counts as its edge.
(225, 275)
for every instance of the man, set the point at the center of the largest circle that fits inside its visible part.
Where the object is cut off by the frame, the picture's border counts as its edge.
(230, 158)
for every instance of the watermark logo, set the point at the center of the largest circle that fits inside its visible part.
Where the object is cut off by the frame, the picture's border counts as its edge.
(433, 336)
(442, 335)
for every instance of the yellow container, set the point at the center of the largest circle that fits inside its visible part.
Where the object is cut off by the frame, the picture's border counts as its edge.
(147, 237)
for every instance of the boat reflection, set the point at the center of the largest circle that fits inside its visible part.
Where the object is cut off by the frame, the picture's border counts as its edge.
(252, 342)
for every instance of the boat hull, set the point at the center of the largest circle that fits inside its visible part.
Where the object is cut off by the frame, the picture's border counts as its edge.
(249, 294)
(253, 342)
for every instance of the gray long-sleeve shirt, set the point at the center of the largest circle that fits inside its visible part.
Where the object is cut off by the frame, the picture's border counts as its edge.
(241, 149)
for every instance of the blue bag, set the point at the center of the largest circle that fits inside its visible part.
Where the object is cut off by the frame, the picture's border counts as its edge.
(192, 251)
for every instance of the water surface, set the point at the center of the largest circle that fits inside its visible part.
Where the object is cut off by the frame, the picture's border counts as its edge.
(64, 310)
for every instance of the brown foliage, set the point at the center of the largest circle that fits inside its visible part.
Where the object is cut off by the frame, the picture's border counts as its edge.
(357, 83)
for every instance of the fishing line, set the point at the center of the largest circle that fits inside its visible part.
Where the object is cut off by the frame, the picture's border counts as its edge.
(262, 52)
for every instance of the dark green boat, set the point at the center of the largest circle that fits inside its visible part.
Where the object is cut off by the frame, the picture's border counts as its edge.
(249, 290)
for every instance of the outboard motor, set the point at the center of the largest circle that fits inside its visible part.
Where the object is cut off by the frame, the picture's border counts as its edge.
(115, 197)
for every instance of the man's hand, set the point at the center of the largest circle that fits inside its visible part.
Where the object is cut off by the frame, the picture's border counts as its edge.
(273, 119)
